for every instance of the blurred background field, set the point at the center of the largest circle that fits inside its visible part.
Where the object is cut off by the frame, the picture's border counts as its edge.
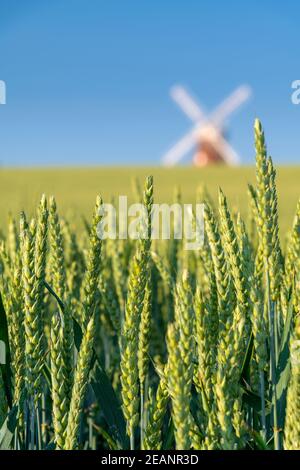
(75, 188)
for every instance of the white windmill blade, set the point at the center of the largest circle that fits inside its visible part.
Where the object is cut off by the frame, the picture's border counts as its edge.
(188, 104)
(225, 149)
(236, 99)
(182, 147)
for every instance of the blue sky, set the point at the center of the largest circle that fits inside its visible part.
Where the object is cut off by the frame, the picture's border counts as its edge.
(88, 81)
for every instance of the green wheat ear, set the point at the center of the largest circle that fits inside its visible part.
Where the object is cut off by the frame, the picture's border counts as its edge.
(133, 313)
(41, 249)
(89, 290)
(58, 271)
(59, 284)
(32, 321)
(292, 420)
(158, 408)
(60, 402)
(179, 390)
(292, 260)
(185, 322)
(16, 329)
(267, 212)
(144, 335)
(80, 385)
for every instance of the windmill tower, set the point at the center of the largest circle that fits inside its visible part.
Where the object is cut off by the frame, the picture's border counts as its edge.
(207, 135)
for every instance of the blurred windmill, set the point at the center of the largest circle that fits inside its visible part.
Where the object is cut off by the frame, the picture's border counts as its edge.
(207, 135)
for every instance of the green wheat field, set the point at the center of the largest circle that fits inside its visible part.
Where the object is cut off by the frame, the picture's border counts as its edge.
(133, 344)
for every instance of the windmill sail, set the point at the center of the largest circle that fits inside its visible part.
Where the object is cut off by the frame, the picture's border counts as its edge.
(207, 132)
